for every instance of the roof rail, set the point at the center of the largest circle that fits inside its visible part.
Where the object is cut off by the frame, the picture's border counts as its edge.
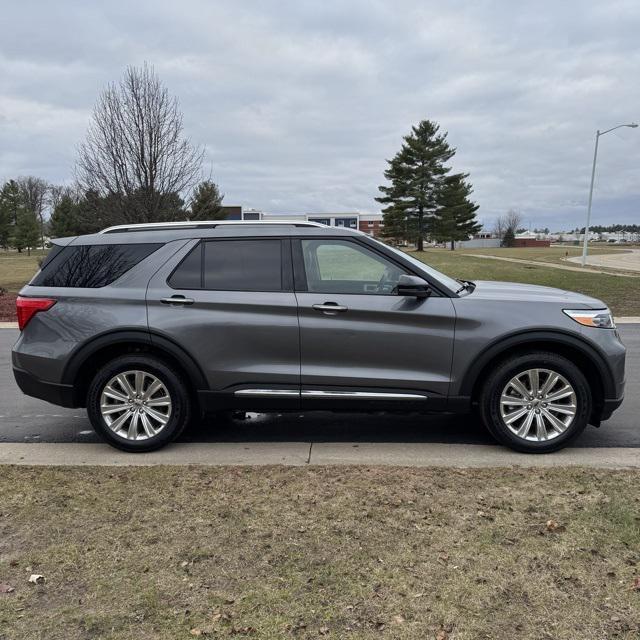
(202, 224)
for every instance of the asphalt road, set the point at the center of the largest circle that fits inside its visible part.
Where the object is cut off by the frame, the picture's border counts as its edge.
(24, 419)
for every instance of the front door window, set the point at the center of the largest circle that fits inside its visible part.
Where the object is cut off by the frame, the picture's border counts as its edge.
(341, 266)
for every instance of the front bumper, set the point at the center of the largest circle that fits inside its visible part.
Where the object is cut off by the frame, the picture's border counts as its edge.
(608, 407)
(60, 394)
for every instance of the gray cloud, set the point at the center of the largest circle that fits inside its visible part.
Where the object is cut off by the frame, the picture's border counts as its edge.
(299, 103)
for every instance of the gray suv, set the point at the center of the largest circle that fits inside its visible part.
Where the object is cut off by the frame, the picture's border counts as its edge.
(149, 326)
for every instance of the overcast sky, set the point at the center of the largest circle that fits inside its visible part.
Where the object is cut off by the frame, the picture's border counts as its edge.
(298, 104)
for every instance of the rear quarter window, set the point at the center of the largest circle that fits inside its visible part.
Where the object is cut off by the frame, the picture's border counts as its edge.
(90, 266)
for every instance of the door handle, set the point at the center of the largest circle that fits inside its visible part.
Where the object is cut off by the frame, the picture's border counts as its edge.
(330, 308)
(177, 300)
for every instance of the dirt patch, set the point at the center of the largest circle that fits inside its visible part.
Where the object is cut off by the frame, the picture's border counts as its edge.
(276, 552)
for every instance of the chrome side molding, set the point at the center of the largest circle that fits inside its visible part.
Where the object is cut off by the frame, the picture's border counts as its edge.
(363, 395)
(328, 395)
(268, 393)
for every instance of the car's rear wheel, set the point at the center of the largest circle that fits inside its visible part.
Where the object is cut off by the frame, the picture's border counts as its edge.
(138, 403)
(536, 402)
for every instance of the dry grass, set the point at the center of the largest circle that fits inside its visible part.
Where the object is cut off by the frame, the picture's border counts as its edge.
(622, 294)
(319, 552)
(16, 269)
(555, 254)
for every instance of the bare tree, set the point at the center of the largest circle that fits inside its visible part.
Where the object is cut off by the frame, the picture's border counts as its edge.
(510, 221)
(58, 191)
(34, 196)
(135, 150)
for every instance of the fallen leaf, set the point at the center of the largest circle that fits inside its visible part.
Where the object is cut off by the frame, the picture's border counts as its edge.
(553, 527)
(442, 634)
(196, 632)
(636, 584)
(398, 619)
(323, 631)
(36, 578)
(6, 588)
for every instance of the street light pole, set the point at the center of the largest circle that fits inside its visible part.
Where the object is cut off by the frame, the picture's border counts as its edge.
(585, 242)
(586, 229)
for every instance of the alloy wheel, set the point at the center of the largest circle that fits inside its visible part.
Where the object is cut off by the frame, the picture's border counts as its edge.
(538, 405)
(135, 405)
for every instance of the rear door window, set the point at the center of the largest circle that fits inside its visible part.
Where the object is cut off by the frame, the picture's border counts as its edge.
(231, 265)
(90, 266)
(243, 265)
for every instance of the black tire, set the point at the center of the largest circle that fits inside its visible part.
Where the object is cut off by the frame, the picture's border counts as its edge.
(172, 381)
(489, 401)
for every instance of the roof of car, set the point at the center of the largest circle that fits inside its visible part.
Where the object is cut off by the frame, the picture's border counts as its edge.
(166, 232)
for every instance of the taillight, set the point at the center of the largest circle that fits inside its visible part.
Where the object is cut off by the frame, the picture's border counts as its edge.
(26, 308)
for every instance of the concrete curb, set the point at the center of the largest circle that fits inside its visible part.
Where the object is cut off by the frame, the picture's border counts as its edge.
(302, 454)
(96, 454)
(8, 325)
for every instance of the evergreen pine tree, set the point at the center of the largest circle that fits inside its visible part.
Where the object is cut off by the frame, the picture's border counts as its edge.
(11, 207)
(207, 202)
(27, 233)
(12, 199)
(6, 226)
(415, 174)
(64, 219)
(509, 238)
(455, 218)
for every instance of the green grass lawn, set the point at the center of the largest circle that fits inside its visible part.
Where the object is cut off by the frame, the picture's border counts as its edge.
(622, 294)
(319, 552)
(555, 254)
(17, 268)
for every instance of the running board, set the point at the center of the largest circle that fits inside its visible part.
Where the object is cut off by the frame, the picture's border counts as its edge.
(328, 395)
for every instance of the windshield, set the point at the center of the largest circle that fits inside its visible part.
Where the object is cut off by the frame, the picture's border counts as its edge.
(448, 282)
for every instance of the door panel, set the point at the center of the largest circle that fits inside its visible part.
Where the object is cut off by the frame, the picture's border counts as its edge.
(356, 334)
(240, 339)
(388, 342)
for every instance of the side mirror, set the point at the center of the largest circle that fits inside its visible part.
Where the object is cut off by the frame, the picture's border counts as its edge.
(413, 286)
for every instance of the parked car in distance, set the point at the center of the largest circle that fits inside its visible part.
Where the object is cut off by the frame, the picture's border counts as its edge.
(149, 325)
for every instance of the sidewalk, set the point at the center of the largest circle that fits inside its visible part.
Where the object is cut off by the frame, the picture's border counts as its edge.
(563, 267)
(628, 260)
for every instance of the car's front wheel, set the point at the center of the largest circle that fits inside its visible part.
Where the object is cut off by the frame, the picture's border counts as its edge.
(536, 402)
(138, 403)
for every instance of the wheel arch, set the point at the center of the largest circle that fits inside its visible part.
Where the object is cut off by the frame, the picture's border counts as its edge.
(573, 347)
(88, 358)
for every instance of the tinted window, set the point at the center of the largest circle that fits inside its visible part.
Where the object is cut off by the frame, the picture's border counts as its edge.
(91, 266)
(243, 265)
(338, 266)
(53, 252)
(188, 275)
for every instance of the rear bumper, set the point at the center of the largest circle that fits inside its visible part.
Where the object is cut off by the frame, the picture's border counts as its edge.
(60, 394)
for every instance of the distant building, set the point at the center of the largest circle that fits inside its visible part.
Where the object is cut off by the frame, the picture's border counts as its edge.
(370, 223)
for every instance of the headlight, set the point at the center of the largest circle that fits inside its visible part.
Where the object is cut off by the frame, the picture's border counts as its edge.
(601, 319)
